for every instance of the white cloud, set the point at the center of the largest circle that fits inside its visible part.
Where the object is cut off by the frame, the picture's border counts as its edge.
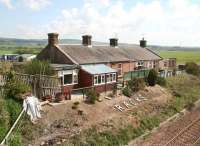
(7, 3)
(170, 24)
(36, 4)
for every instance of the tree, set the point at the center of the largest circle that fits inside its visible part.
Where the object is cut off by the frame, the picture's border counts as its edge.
(152, 77)
(192, 68)
(92, 96)
(136, 84)
(38, 67)
(20, 59)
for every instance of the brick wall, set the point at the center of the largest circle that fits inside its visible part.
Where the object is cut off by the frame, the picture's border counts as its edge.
(125, 66)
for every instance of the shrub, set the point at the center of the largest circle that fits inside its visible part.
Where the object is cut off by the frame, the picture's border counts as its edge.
(76, 103)
(20, 59)
(136, 84)
(152, 77)
(192, 68)
(92, 96)
(38, 67)
(127, 91)
(14, 88)
(161, 81)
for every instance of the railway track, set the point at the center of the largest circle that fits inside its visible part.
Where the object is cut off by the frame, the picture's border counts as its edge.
(189, 136)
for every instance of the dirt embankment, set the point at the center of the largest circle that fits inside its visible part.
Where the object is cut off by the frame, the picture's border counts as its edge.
(60, 123)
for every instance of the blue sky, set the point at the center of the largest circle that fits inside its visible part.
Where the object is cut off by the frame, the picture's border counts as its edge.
(163, 22)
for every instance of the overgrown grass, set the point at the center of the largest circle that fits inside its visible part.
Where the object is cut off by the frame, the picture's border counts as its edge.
(185, 91)
(120, 137)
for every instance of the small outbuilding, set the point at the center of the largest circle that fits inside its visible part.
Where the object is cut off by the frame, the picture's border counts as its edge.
(100, 76)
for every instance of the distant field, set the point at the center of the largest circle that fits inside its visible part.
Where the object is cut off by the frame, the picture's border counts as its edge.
(20, 49)
(6, 52)
(182, 56)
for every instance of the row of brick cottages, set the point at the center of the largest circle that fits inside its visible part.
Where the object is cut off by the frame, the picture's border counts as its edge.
(87, 65)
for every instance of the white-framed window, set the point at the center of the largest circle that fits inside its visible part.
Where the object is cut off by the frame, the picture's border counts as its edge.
(111, 78)
(114, 77)
(140, 63)
(99, 79)
(102, 79)
(68, 77)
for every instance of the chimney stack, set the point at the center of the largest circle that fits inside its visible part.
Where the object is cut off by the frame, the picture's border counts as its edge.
(87, 40)
(53, 39)
(114, 42)
(143, 43)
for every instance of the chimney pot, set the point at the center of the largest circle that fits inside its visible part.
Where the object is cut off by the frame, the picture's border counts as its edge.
(87, 40)
(53, 39)
(113, 42)
(143, 43)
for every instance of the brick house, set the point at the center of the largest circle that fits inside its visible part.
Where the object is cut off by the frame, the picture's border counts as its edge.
(99, 66)
(167, 67)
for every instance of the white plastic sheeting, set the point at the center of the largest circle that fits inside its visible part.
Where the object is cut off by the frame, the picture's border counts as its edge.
(32, 107)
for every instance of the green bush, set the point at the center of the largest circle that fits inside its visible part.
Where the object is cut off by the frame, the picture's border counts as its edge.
(152, 77)
(127, 91)
(92, 96)
(192, 68)
(161, 81)
(14, 88)
(133, 85)
(136, 84)
(38, 67)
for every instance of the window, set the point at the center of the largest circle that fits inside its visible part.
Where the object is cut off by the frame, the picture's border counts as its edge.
(68, 79)
(103, 79)
(114, 76)
(119, 69)
(108, 78)
(100, 79)
(111, 77)
(96, 80)
(141, 63)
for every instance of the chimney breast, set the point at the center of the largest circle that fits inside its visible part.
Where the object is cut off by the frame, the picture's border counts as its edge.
(87, 40)
(113, 42)
(143, 43)
(53, 39)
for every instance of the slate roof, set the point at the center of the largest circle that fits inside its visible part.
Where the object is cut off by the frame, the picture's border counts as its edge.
(97, 69)
(105, 54)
